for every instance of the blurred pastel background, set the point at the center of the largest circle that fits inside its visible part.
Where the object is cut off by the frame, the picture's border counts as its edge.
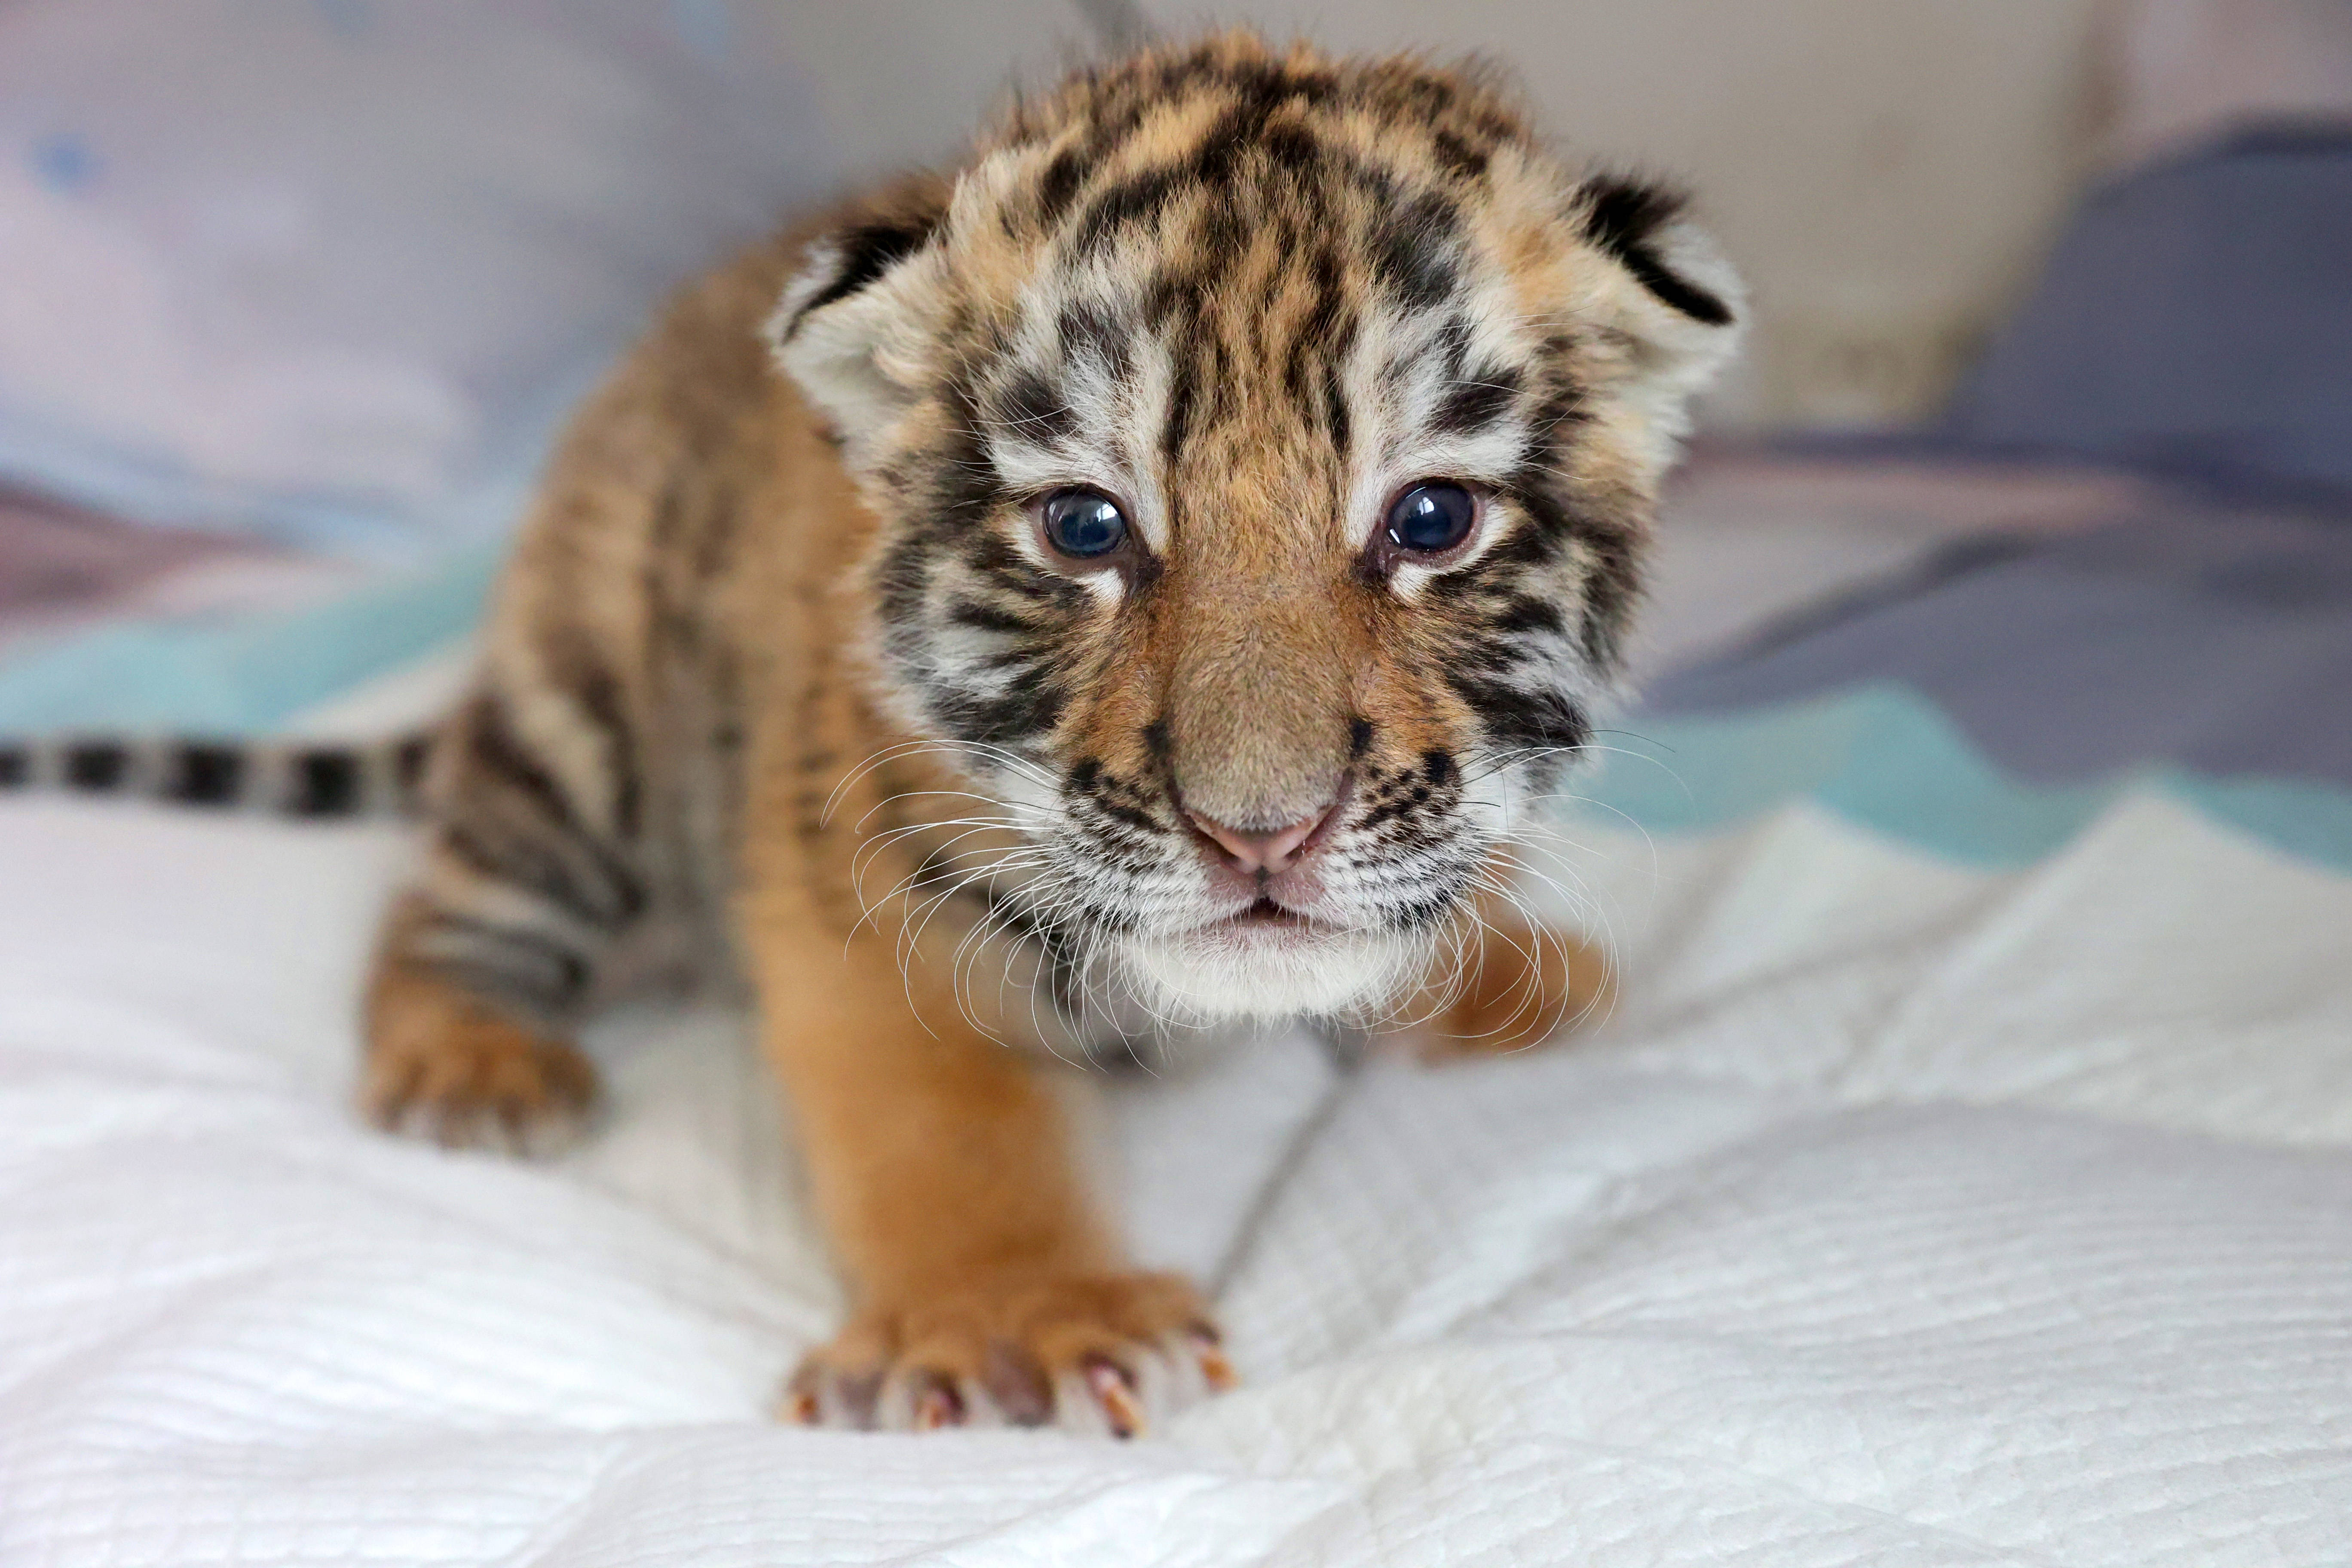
(297, 290)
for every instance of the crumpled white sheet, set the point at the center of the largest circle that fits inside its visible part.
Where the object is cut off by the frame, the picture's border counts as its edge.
(1902, 1216)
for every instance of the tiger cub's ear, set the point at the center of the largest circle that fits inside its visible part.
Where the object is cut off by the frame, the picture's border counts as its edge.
(1673, 297)
(856, 326)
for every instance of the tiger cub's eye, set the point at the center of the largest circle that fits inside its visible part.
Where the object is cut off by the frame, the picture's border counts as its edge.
(1431, 518)
(1083, 523)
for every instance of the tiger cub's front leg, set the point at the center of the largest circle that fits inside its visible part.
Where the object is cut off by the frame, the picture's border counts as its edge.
(986, 1289)
(446, 1062)
(489, 958)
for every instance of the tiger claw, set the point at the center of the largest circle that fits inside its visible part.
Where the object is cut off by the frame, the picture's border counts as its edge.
(939, 1405)
(1113, 1387)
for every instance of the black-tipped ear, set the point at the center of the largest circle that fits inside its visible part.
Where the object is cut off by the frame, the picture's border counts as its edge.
(1632, 220)
(1671, 300)
(853, 318)
(860, 251)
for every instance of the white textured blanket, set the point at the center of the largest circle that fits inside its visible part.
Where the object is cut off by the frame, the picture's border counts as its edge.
(1903, 1215)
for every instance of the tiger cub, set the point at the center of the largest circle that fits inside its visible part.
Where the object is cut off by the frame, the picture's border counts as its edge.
(1144, 577)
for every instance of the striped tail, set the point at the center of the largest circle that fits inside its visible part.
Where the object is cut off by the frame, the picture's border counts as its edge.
(281, 778)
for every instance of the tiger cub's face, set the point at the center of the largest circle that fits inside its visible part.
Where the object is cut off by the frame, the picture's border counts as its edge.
(1264, 446)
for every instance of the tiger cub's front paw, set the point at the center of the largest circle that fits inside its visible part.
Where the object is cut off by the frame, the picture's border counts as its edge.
(1102, 1353)
(443, 1066)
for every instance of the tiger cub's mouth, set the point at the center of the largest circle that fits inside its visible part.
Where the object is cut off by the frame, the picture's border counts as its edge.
(1268, 915)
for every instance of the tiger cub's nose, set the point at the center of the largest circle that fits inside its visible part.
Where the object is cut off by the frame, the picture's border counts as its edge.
(1269, 852)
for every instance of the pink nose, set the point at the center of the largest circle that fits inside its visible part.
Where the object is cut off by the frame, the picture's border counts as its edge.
(1269, 852)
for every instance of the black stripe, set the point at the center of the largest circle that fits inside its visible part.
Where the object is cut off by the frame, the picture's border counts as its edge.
(501, 756)
(866, 252)
(1028, 706)
(1292, 147)
(1413, 250)
(500, 759)
(1034, 408)
(97, 765)
(1112, 796)
(408, 762)
(1514, 717)
(205, 774)
(327, 783)
(903, 580)
(1404, 802)
(1134, 816)
(986, 617)
(1486, 655)
(1611, 587)
(1086, 331)
(598, 692)
(1430, 910)
(1556, 522)
(16, 767)
(1267, 84)
(1184, 389)
(1485, 399)
(1058, 185)
(1323, 337)
(545, 974)
(530, 866)
(1221, 148)
(1526, 613)
(1459, 158)
(1624, 216)
(1557, 418)
(1335, 405)
(1140, 196)
(986, 554)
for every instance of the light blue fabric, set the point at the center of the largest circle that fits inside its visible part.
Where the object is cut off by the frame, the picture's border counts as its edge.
(1887, 760)
(246, 676)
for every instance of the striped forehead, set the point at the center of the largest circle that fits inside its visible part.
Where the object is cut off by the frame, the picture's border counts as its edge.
(1328, 362)
(1075, 393)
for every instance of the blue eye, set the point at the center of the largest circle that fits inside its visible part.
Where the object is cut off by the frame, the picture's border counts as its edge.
(1084, 523)
(1432, 517)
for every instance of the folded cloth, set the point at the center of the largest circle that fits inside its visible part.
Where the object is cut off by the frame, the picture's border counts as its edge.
(1910, 1211)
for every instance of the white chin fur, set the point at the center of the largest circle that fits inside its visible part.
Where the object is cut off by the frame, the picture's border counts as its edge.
(1213, 976)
